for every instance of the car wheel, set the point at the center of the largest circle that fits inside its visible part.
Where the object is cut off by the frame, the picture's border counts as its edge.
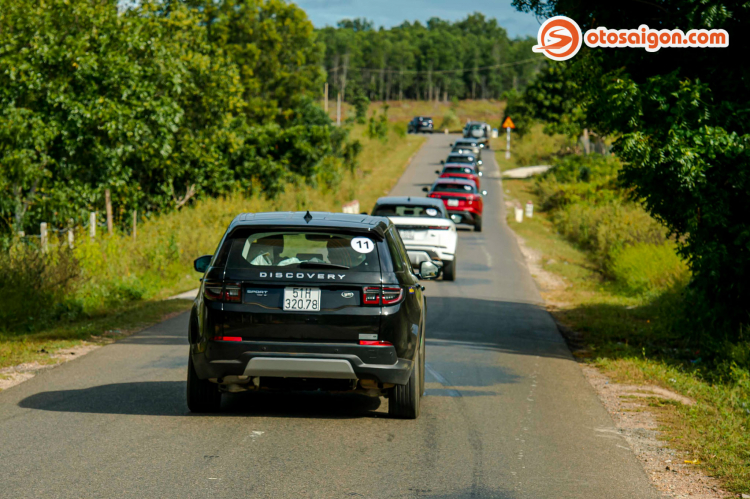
(449, 270)
(478, 224)
(404, 399)
(202, 395)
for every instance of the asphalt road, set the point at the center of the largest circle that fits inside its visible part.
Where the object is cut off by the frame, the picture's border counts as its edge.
(507, 413)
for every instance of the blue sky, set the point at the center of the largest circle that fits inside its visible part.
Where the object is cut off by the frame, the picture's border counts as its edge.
(393, 12)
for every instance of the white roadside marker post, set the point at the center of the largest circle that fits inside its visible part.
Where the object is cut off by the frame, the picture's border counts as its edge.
(529, 209)
(71, 237)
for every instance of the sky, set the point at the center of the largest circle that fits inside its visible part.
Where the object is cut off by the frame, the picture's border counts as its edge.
(390, 13)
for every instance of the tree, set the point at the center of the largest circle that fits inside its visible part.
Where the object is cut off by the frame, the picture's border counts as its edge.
(680, 118)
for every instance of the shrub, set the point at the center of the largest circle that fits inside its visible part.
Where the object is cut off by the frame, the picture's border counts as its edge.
(647, 268)
(450, 121)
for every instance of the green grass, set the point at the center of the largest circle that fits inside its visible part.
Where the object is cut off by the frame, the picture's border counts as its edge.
(115, 282)
(490, 111)
(536, 148)
(104, 328)
(632, 337)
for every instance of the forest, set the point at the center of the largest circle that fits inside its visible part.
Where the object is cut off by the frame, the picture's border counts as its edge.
(440, 60)
(160, 103)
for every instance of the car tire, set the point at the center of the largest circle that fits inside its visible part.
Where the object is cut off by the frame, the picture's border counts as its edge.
(478, 224)
(449, 270)
(202, 395)
(404, 399)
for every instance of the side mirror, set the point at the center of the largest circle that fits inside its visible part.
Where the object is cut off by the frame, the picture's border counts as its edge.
(451, 144)
(437, 171)
(442, 162)
(428, 270)
(425, 189)
(201, 264)
(484, 193)
(480, 174)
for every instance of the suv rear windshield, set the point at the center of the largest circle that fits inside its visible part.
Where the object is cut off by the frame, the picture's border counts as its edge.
(458, 169)
(393, 210)
(465, 188)
(460, 159)
(303, 250)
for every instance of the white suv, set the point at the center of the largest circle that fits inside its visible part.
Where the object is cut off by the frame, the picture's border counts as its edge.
(427, 232)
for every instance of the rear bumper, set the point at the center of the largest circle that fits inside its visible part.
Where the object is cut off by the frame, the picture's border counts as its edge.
(301, 360)
(467, 217)
(419, 254)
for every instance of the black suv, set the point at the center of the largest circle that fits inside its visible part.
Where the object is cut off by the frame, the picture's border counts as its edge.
(420, 124)
(309, 301)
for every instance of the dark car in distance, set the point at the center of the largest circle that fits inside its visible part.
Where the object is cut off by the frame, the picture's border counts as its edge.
(463, 160)
(309, 301)
(479, 131)
(420, 124)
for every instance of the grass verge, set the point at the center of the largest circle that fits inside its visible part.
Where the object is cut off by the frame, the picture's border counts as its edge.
(632, 339)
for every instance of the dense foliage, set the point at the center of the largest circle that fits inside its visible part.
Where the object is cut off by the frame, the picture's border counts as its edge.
(472, 58)
(160, 103)
(679, 117)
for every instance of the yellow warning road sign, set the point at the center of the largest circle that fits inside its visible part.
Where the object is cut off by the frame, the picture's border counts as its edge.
(508, 123)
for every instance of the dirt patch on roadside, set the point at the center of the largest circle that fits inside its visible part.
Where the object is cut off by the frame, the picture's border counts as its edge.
(14, 375)
(546, 281)
(630, 410)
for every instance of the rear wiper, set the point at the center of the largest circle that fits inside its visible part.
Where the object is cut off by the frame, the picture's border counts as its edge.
(321, 265)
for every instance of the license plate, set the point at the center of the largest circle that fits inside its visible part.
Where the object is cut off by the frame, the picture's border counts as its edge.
(453, 202)
(302, 299)
(406, 234)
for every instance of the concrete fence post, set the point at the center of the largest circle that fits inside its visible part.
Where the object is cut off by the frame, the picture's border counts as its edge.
(43, 235)
(92, 224)
(135, 224)
(108, 203)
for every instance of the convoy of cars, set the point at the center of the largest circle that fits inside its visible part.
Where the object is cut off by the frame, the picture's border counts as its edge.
(329, 301)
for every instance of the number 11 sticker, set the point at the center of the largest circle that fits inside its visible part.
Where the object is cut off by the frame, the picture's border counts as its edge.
(362, 245)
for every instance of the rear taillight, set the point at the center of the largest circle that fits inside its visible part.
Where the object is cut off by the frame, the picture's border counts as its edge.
(232, 293)
(371, 295)
(212, 290)
(391, 296)
(387, 295)
(227, 338)
(229, 292)
(438, 227)
(376, 343)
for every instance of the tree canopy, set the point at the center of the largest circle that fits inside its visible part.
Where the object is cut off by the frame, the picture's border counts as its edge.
(680, 120)
(159, 103)
(473, 58)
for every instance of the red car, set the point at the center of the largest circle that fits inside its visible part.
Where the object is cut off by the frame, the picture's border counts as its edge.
(465, 172)
(462, 199)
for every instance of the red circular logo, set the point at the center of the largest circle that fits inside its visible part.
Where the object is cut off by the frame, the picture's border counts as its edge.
(559, 38)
